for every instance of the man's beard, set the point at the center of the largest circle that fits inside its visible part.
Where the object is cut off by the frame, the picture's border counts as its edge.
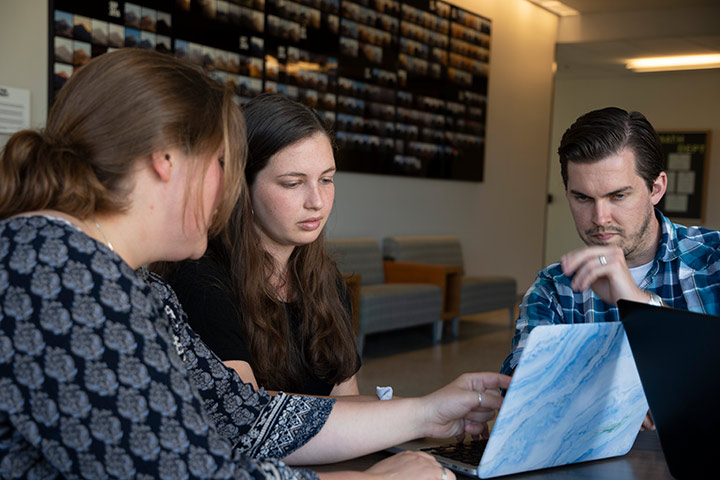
(630, 246)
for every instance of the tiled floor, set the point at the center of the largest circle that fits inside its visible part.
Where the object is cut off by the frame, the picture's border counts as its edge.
(409, 362)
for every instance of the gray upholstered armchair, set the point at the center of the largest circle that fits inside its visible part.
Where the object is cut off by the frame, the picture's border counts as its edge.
(477, 294)
(383, 304)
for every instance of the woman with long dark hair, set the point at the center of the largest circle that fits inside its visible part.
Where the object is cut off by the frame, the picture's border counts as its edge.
(267, 298)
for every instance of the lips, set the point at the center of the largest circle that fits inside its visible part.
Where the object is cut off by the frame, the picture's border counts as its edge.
(310, 224)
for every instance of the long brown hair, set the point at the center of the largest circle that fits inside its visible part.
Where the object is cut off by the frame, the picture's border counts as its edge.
(323, 343)
(119, 108)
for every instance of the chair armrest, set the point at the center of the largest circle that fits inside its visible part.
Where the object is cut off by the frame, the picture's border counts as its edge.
(447, 277)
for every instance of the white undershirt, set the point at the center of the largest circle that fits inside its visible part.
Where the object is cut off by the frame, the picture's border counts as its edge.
(638, 273)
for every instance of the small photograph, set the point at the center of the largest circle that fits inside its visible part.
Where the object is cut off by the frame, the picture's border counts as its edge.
(333, 24)
(258, 21)
(255, 67)
(162, 44)
(133, 13)
(331, 6)
(272, 68)
(221, 60)
(99, 33)
(349, 47)
(288, 90)
(222, 11)
(439, 55)
(257, 46)
(404, 98)
(308, 97)
(81, 53)
(64, 24)
(207, 7)
(196, 53)
(82, 28)
(183, 5)
(271, 87)
(148, 19)
(116, 35)
(182, 48)
(233, 81)
(349, 28)
(442, 9)
(327, 101)
(132, 37)
(329, 118)
(147, 40)
(459, 77)
(209, 57)
(61, 73)
(233, 62)
(389, 24)
(164, 23)
(63, 49)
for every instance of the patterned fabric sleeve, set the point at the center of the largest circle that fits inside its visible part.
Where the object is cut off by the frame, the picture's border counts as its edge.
(91, 385)
(260, 425)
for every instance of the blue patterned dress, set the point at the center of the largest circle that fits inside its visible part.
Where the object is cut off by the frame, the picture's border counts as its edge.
(100, 377)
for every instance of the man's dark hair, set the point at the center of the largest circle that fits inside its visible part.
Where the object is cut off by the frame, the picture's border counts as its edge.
(601, 133)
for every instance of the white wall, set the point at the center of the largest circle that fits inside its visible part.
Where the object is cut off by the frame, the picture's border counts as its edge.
(23, 53)
(671, 101)
(500, 221)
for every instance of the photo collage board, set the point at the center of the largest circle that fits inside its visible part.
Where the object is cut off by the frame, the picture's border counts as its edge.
(402, 84)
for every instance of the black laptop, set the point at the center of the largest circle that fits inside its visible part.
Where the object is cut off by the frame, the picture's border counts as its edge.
(676, 353)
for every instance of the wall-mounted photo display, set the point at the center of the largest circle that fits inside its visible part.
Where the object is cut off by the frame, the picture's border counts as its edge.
(403, 84)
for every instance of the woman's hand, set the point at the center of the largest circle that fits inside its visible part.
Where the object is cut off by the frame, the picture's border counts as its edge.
(414, 465)
(456, 409)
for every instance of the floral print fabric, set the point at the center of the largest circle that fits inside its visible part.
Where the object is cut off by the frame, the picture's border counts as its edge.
(99, 378)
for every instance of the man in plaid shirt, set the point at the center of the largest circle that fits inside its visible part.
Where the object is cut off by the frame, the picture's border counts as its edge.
(612, 168)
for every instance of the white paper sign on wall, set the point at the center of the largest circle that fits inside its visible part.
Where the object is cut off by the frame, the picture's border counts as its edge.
(14, 109)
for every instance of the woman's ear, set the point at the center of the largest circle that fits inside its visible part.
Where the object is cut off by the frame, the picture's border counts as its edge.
(162, 165)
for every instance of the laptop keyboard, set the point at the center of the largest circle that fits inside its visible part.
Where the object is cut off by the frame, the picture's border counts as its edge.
(470, 453)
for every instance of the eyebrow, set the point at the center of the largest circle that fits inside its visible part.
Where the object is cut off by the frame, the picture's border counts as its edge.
(609, 194)
(300, 174)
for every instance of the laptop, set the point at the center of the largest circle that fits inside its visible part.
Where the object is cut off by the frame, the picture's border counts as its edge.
(575, 396)
(676, 356)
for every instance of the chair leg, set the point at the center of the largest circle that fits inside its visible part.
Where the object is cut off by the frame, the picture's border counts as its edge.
(456, 327)
(437, 331)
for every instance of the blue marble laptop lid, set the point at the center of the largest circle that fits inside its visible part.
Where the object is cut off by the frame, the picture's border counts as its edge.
(575, 396)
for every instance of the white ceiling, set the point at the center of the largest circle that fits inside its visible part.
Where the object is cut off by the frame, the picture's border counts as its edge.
(636, 28)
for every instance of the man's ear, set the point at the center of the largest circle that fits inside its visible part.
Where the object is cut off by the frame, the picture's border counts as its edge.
(162, 165)
(658, 188)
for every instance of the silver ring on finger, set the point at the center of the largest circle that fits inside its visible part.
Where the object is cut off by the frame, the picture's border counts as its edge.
(479, 399)
(602, 259)
(444, 474)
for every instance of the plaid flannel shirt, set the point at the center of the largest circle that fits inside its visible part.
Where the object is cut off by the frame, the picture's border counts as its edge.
(685, 274)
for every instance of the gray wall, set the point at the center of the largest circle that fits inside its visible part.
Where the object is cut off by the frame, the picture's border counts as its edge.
(499, 221)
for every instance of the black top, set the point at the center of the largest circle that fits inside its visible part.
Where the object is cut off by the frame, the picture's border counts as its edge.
(213, 314)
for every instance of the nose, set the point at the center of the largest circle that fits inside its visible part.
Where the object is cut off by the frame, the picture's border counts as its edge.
(601, 213)
(314, 199)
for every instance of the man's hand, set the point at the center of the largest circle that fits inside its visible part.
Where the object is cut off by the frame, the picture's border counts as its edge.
(603, 269)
